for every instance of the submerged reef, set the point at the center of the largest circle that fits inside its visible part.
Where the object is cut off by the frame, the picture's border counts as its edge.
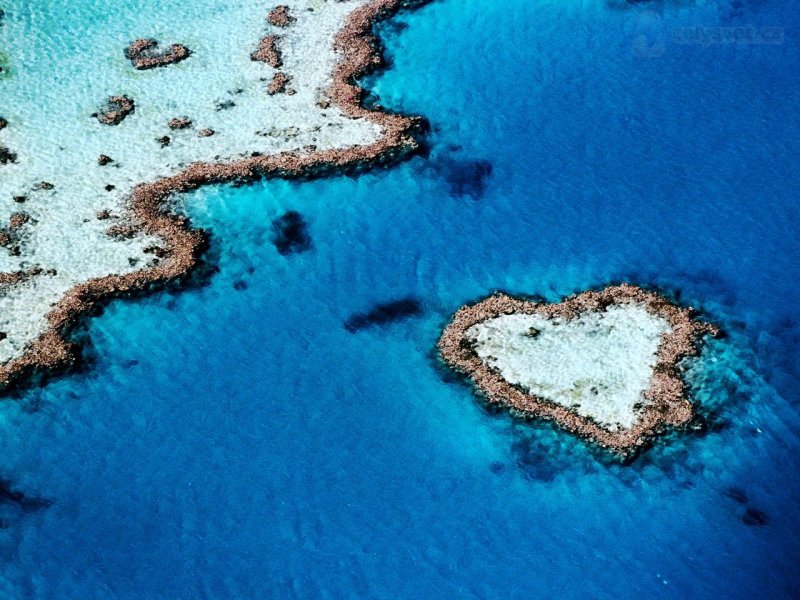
(279, 84)
(290, 233)
(7, 156)
(9, 495)
(385, 313)
(180, 123)
(280, 16)
(145, 54)
(115, 110)
(604, 365)
(268, 52)
(114, 231)
(467, 178)
(755, 517)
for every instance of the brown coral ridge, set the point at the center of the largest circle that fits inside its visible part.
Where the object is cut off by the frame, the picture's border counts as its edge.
(12, 236)
(180, 123)
(144, 54)
(667, 403)
(9, 279)
(268, 52)
(148, 203)
(279, 84)
(280, 16)
(115, 111)
(7, 156)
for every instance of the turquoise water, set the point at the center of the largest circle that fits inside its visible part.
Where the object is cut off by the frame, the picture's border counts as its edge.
(234, 440)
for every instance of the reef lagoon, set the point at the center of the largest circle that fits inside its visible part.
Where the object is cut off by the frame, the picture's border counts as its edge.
(283, 426)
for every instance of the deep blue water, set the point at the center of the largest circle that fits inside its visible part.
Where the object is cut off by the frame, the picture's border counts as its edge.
(236, 441)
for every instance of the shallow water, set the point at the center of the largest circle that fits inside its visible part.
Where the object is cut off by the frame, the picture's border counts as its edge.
(237, 441)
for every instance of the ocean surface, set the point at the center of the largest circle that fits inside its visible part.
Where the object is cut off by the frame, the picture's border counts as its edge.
(236, 440)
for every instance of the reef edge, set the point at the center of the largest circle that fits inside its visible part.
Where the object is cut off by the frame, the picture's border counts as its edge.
(668, 405)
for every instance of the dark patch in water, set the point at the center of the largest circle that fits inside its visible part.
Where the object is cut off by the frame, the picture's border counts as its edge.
(447, 375)
(710, 421)
(383, 314)
(7, 156)
(534, 460)
(32, 405)
(737, 495)
(240, 285)
(290, 233)
(128, 364)
(497, 468)
(17, 498)
(392, 26)
(736, 10)
(754, 517)
(542, 451)
(631, 4)
(776, 347)
(672, 458)
(466, 177)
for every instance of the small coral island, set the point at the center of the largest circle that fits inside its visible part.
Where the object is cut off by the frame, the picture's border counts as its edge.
(145, 54)
(604, 365)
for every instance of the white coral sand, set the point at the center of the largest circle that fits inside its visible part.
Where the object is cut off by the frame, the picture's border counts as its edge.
(598, 364)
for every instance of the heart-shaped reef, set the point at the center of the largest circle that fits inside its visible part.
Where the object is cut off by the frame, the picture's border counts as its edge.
(604, 365)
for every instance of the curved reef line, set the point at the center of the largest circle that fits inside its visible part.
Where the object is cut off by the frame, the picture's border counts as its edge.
(360, 54)
(667, 403)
